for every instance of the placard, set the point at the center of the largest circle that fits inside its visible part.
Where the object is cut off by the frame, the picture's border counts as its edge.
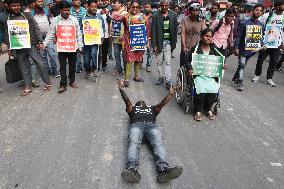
(138, 38)
(66, 38)
(273, 35)
(92, 31)
(253, 37)
(207, 65)
(116, 29)
(19, 34)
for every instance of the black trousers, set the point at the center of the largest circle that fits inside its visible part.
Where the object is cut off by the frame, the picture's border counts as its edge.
(63, 57)
(280, 62)
(274, 57)
(105, 46)
(204, 101)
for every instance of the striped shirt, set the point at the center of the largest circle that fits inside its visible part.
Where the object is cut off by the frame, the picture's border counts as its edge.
(79, 15)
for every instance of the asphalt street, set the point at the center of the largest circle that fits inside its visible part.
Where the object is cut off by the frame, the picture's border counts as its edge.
(78, 140)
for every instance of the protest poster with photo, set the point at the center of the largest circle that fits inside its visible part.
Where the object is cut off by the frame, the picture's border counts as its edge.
(273, 35)
(116, 29)
(66, 38)
(207, 65)
(92, 31)
(19, 34)
(253, 37)
(138, 39)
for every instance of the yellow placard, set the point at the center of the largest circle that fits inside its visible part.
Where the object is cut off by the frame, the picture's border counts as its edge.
(92, 31)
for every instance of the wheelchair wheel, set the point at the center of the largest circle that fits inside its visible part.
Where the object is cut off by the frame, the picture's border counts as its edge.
(181, 91)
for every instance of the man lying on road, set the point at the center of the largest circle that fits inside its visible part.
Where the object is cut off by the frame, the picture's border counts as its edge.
(143, 124)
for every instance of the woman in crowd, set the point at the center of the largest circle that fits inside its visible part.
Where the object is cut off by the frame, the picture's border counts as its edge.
(131, 56)
(206, 88)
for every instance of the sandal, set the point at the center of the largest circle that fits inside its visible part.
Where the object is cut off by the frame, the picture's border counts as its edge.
(26, 92)
(47, 87)
(62, 89)
(210, 115)
(139, 79)
(197, 116)
(126, 83)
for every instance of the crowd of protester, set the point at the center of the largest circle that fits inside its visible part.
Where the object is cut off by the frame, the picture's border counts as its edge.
(225, 29)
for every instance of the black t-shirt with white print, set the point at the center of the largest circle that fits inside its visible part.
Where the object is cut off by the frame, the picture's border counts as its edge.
(143, 114)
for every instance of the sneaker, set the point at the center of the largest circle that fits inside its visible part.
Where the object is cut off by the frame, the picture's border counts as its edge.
(131, 175)
(35, 84)
(160, 81)
(255, 79)
(270, 83)
(169, 174)
(148, 68)
(279, 70)
(169, 84)
(55, 74)
(240, 86)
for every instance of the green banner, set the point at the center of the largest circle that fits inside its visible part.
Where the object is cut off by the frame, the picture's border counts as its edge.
(207, 65)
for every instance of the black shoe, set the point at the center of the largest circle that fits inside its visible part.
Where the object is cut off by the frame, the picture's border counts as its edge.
(169, 174)
(240, 87)
(131, 175)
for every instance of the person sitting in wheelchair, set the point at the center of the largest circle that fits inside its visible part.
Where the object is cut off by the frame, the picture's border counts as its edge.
(206, 88)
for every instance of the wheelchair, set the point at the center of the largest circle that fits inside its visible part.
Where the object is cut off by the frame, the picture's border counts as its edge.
(186, 92)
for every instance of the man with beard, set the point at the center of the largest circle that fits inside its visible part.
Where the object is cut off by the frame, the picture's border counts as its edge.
(143, 124)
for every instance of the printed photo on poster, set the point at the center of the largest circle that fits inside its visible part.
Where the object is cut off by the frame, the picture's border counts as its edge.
(273, 35)
(19, 34)
(207, 65)
(116, 29)
(138, 39)
(66, 38)
(253, 37)
(92, 31)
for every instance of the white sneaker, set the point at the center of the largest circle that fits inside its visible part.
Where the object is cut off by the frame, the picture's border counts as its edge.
(270, 83)
(255, 79)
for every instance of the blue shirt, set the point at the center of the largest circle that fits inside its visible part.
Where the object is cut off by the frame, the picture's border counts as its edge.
(240, 40)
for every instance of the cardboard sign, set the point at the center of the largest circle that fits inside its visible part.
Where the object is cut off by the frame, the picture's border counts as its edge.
(92, 31)
(273, 35)
(116, 28)
(66, 38)
(207, 65)
(19, 34)
(138, 39)
(253, 37)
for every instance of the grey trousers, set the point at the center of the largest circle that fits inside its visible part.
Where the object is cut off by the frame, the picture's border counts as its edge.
(23, 56)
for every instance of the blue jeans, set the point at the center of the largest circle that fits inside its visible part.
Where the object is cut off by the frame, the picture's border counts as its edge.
(90, 58)
(50, 52)
(137, 132)
(149, 56)
(117, 55)
(242, 64)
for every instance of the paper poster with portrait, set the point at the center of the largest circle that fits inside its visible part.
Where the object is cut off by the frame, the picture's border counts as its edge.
(273, 35)
(92, 31)
(19, 34)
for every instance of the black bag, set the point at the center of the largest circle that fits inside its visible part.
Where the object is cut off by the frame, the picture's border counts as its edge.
(12, 70)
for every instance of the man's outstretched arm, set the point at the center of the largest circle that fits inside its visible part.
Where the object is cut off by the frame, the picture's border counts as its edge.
(124, 96)
(167, 99)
